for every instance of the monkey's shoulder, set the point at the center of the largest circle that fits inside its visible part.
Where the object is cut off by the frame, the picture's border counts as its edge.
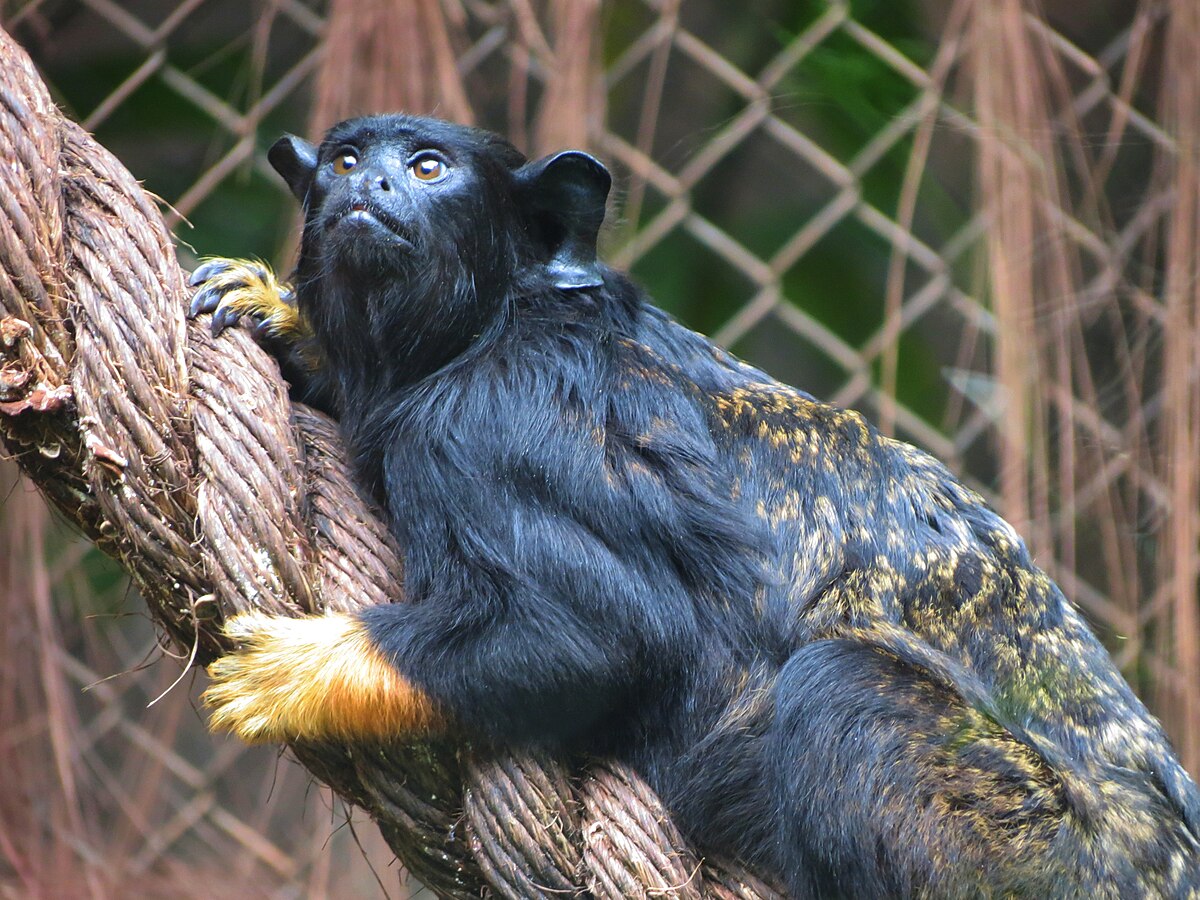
(864, 528)
(765, 430)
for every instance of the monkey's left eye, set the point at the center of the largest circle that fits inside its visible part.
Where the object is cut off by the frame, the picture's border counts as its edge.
(344, 162)
(428, 168)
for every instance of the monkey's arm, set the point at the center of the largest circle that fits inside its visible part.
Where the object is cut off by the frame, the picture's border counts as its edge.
(232, 289)
(536, 673)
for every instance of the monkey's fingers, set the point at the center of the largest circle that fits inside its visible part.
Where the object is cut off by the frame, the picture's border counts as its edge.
(318, 678)
(232, 288)
(217, 276)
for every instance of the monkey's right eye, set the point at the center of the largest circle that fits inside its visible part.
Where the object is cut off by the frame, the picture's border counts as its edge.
(344, 162)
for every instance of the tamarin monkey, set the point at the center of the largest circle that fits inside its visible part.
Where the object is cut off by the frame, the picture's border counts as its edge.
(829, 658)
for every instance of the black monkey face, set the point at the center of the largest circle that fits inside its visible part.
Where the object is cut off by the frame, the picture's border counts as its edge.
(395, 195)
(401, 195)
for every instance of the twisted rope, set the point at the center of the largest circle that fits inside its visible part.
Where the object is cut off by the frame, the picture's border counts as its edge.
(183, 458)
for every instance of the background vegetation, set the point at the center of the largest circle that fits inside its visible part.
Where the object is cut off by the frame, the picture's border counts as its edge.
(976, 220)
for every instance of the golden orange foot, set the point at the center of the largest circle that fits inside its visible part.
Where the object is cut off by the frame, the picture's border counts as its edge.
(318, 678)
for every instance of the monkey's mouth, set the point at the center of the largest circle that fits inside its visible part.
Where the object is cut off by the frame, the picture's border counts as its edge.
(362, 214)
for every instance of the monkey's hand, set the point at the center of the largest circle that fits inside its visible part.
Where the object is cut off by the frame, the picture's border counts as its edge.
(318, 678)
(233, 288)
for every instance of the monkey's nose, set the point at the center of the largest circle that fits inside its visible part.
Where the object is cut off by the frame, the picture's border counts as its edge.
(382, 183)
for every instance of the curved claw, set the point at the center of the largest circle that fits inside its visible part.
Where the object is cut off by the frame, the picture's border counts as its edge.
(224, 317)
(207, 270)
(204, 301)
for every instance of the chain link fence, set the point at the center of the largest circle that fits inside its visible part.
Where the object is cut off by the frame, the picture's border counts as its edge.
(802, 181)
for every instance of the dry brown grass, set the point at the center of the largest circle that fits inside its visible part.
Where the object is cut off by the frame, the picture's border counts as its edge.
(390, 55)
(573, 105)
(1076, 326)
(1180, 463)
(42, 814)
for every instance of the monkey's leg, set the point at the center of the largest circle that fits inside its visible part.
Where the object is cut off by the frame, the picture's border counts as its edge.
(891, 783)
(396, 669)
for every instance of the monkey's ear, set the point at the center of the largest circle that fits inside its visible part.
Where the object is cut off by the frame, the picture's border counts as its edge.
(296, 160)
(563, 196)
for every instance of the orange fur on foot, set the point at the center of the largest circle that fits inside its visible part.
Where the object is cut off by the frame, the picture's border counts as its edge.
(312, 679)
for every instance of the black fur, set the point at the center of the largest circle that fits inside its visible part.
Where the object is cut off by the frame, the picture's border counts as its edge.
(826, 655)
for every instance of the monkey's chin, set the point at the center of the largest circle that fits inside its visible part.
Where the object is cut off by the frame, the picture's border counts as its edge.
(363, 246)
(362, 224)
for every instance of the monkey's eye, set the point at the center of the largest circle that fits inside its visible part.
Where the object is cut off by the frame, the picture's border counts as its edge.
(428, 168)
(344, 162)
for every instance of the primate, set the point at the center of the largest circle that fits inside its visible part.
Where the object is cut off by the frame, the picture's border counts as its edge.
(829, 657)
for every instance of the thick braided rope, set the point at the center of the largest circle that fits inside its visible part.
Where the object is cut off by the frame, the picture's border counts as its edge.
(183, 458)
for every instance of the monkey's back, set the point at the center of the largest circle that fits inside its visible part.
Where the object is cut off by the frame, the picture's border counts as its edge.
(871, 539)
